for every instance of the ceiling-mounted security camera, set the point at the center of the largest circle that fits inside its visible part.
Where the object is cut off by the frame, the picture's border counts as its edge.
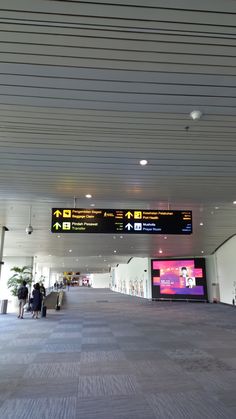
(29, 229)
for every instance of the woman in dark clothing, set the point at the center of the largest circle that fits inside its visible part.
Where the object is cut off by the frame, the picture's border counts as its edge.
(37, 301)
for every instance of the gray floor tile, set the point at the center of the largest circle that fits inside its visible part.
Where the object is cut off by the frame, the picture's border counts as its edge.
(52, 358)
(119, 407)
(66, 335)
(89, 347)
(61, 347)
(41, 387)
(53, 370)
(187, 405)
(9, 371)
(19, 358)
(104, 385)
(47, 408)
(99, 356)
(107, 367)
(139, 355)
(98, 340)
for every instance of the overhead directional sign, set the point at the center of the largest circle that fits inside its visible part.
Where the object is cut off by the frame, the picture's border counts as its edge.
(79, 220)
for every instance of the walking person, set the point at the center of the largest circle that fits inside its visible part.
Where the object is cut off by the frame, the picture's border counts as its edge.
(42, 290)
(37, 301)
(22, 294)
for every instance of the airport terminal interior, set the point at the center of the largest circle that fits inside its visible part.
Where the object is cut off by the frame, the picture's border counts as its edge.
(118, 197)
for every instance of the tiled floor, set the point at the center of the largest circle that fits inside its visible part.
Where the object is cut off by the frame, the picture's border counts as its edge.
(110, 356)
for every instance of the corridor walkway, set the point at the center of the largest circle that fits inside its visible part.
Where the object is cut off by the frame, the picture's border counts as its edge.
(111, 356)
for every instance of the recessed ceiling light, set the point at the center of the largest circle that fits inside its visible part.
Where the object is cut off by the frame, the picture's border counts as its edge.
(88, 196)
(201, 224)
(160, 251)
(234, 202)
(115, 251)
(165, 237)
(143, 162)
(121, 237)
(216, 208)
(92, 205)
(195, 115)
(202, 251)
(58, 237)
(70, 250)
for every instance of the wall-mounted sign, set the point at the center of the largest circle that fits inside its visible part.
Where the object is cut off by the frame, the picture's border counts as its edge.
(120, 221)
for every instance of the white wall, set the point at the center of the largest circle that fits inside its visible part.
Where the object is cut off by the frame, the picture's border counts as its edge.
(226, 270)
(133, 278)
(43, 273)
(212, 279)
(100, 280)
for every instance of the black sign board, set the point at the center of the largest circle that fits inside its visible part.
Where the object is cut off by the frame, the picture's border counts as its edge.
(121, 221)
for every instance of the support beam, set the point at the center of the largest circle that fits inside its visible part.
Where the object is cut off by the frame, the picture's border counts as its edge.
(4, 229)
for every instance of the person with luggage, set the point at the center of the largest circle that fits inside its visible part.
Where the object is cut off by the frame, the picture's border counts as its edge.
(37, 301)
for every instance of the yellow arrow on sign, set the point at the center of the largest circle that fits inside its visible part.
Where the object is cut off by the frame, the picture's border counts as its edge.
(57, 226)
(129, 214)
(57, 213)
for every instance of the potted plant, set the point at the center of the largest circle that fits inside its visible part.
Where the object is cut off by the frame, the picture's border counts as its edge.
(21, 274)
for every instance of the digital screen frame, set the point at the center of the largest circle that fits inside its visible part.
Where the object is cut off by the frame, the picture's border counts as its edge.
(179, 279)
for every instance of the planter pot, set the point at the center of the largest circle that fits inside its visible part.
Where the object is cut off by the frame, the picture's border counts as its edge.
(13, 304)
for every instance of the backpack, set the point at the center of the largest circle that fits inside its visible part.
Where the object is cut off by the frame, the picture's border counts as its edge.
(22, 293)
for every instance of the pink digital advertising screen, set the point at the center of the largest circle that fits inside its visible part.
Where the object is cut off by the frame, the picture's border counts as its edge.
(185, 277)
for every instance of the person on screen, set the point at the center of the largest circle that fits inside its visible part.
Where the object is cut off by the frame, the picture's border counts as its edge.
(184, 272)
(189, 283)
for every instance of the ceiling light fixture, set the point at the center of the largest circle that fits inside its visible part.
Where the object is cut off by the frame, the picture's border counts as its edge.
(234, 202)
(70, 250)
(201, 224)
(196, 115)
(88, 196)
(143, 162)
(160, 251)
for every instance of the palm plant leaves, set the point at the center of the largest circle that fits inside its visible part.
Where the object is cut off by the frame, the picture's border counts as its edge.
(21, 274)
